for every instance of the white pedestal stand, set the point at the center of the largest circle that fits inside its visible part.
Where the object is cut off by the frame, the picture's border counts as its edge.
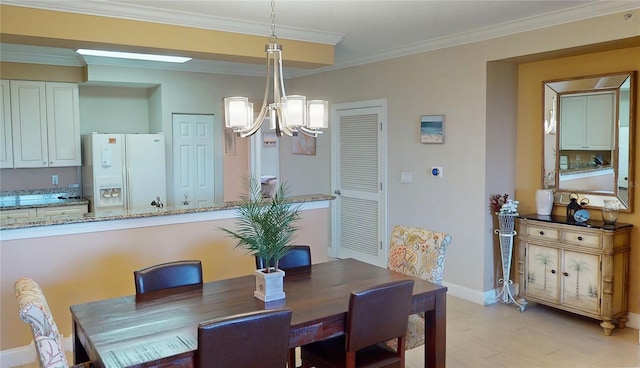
(506, 234)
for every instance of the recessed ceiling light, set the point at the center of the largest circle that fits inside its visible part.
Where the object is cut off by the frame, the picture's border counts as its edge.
(131, 55)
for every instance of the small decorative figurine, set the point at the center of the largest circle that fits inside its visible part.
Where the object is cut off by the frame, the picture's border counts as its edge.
(573, 206)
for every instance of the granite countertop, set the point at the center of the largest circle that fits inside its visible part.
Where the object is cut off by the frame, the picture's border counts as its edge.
(585, 169)
(141, 213)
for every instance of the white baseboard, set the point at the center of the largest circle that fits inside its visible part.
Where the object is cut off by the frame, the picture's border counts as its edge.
(27, 354)
(489, 297)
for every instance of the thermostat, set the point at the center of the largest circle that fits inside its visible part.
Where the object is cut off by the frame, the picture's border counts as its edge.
(436, 171)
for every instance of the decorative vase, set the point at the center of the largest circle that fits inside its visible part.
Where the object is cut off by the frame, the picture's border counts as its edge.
(544, 202)
(269, 286)
(610, 212)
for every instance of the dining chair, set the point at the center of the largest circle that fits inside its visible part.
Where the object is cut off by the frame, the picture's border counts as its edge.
(168, 275)
(297, 256)
(419, 253)
(375, 315)
(249, 340)
(35, 311)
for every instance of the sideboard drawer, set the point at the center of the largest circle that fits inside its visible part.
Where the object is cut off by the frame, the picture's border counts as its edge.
(543, 232)
(588, 240)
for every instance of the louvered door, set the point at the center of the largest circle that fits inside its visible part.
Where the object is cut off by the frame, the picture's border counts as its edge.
(359, 157)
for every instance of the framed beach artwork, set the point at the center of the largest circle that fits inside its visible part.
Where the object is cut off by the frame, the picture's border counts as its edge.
(432, 129)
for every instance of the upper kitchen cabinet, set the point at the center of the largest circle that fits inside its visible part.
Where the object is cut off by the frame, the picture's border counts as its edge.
(45, 122)
(6, 146)
(587, 121)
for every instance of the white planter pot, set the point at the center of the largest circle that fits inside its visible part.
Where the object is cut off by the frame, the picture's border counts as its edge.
(269, 286)
(544, 201)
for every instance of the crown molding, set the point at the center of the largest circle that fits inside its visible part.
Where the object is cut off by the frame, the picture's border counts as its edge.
(41, 56)
(582, 12)
(178, 18)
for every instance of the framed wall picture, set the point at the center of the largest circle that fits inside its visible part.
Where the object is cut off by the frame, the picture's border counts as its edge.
(303, 145)
(229, 142)
(269, 139)
(432, 129)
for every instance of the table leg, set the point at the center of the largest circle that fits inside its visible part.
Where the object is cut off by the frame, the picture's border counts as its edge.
(436, 334)
(79, 353)
(292, 358)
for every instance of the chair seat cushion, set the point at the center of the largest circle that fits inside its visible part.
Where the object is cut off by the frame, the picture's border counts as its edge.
(331, 353)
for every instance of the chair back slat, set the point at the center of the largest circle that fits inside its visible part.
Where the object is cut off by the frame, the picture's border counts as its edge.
(256, 339)
(168, 275)
(378, 314)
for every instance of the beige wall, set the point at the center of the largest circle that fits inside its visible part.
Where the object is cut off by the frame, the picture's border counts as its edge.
(81, 268)
(478, 95)
(529, 152)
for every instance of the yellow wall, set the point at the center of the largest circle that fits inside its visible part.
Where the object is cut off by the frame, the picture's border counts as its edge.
(39, 72)
(68, 30)
(530, 137)
(80, 268)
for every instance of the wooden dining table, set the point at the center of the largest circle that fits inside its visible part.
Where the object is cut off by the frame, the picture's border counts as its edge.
(160, 329)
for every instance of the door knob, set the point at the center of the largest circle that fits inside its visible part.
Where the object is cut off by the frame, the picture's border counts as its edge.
(337, 191)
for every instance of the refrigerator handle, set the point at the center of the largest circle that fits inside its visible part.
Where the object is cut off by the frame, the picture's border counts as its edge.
(127, 188)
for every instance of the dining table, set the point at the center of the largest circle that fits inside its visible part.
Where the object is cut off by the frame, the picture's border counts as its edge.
(159, 329)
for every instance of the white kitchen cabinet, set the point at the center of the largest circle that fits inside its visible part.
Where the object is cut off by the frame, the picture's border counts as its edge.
(587, 121)
(45, 124)
(61, 212)
(578, 269)
(6, 146)
(17, 216)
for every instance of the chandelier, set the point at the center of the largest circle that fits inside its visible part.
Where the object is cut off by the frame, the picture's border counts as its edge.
(288, 115)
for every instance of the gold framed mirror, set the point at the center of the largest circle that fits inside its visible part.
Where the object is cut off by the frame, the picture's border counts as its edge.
(588, 138)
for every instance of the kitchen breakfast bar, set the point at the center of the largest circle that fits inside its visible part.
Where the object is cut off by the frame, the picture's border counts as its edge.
(93, 257)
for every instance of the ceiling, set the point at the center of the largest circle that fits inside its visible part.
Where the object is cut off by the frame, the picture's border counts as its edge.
(362, 31)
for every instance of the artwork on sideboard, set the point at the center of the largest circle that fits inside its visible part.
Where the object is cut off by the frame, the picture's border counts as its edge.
(432, 129)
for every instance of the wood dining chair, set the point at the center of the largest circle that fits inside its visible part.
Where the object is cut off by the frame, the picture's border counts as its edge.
(419, 253)
(249, 340)
(297, 256)
(168, 275)
(35, 311)
(375, 315)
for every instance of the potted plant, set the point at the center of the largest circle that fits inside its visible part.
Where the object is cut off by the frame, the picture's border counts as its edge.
(265, 227)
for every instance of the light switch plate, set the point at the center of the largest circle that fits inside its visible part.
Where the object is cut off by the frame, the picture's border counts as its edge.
(406, 177)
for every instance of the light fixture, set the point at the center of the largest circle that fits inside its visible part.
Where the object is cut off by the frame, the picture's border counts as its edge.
(287, 114)
(135, 56)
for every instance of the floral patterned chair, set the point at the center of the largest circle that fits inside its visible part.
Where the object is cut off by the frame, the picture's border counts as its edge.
(419, 253)
(35, 311)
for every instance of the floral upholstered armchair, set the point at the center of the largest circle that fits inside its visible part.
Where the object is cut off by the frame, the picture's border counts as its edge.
(419, 253)
(35, 311)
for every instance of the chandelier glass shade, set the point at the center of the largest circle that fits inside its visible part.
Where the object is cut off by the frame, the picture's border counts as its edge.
(288, 115)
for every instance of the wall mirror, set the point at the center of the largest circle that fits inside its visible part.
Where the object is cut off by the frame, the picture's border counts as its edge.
(588, 138)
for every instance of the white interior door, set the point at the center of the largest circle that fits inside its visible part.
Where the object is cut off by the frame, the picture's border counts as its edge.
(359, 158)
(193, 160)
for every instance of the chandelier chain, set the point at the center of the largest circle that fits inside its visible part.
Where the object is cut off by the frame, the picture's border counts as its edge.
(273, 38)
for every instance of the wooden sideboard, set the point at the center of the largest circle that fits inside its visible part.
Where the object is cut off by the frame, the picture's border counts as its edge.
(580, 268)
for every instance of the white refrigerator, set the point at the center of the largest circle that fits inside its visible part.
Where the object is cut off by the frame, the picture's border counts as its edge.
(123, 172)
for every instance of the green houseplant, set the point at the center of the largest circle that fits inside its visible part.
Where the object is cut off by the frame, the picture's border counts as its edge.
(265, 227)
